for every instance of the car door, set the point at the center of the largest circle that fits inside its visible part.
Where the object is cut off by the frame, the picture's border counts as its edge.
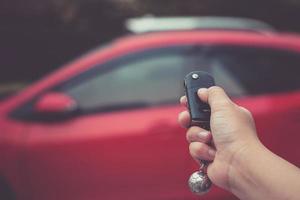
(124, 142)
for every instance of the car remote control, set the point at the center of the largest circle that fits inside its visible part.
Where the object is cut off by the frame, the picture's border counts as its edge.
(199, 182)
(199, 111)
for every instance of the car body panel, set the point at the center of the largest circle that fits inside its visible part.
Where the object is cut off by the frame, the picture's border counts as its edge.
(13, 137)
(277, 122)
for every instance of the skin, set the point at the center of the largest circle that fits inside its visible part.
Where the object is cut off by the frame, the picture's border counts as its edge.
(240, 163)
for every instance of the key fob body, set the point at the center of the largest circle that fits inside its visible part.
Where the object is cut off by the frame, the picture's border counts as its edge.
(199, 111)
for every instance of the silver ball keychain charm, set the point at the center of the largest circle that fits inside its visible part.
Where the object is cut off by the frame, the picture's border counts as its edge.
(199, 182)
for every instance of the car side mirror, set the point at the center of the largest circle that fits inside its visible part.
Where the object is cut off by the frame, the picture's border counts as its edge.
(55, 103)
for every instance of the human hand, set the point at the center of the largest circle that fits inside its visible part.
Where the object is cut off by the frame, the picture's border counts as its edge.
(232, 133)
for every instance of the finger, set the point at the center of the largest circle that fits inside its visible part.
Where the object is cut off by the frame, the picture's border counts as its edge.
(216, 98)
(197, 134)
(201, 151)
(183, 101)
(203, 94)
(184, 119)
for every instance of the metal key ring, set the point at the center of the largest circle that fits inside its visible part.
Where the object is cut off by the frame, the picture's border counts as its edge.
(203, 165)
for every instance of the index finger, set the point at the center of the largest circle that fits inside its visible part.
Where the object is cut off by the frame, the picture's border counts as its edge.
(183, 101)
(184, 119)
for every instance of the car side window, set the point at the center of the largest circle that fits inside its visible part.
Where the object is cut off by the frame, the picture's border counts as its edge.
(253, 71)
(155, 76)
(264, 71)
(146, 79)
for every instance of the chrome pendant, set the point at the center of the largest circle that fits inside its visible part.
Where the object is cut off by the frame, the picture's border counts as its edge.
(199, 182)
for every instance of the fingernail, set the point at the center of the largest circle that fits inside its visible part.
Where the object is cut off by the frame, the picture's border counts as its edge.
(202, 90)
(203, 134)
(211, 153)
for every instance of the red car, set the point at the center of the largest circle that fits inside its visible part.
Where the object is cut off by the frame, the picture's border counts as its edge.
(105, 126)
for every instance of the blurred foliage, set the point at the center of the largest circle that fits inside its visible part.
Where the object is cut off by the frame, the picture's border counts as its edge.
(39, 35)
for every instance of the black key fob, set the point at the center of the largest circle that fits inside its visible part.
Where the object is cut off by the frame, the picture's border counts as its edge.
(199, 111)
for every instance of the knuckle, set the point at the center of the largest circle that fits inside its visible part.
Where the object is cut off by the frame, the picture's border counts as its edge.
(188, 137)
(189, 134)
(196, 149)
(215, 90)
(183, 119)
(192, 135)
(247, 112)
(193, 130)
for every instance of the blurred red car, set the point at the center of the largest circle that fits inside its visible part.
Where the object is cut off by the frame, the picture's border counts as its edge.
(105, 126)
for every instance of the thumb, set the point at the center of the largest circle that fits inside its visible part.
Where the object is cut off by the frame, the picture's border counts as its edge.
(216, 97)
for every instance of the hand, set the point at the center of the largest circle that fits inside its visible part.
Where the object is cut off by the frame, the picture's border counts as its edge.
(232, 132)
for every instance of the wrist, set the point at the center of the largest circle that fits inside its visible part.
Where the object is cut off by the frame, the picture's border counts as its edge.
(241, 167)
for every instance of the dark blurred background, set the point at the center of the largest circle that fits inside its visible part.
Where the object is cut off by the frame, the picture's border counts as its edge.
(37, 36)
